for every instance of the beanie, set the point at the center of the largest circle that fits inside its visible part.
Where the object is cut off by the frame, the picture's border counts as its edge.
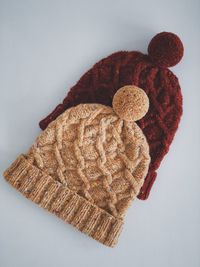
(151, 73)
(88, 165)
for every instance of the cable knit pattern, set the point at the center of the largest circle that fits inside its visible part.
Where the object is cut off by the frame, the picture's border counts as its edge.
(96, 154)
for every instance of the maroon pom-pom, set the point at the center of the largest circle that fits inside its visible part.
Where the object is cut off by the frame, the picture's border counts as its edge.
(165, 49)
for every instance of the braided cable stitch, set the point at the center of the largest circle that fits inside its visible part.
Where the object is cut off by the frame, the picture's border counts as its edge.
(99, 142)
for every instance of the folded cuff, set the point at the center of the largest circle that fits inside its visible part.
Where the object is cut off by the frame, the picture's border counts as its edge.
(50, 194)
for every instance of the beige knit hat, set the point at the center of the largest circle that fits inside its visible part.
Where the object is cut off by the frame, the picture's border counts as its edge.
(88, 165)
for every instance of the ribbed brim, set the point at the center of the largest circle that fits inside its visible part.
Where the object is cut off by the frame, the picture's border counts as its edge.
(66, 204)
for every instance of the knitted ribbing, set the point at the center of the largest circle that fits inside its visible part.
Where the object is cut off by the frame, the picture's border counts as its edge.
(64, 203)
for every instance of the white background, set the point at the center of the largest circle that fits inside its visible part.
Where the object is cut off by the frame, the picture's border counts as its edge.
(45, 46)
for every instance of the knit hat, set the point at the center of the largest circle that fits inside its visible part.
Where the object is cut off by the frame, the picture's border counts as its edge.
(149, 72)
(88, 165)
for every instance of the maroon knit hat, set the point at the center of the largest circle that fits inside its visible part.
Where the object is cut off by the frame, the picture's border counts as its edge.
(149, 72)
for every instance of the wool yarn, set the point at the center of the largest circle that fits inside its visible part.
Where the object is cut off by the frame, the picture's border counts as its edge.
(149, 72)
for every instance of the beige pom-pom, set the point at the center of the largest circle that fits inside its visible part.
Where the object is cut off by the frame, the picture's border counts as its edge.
(130, 103)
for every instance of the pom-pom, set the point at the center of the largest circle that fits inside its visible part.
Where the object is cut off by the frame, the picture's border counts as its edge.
(165, 49)
(130, 103)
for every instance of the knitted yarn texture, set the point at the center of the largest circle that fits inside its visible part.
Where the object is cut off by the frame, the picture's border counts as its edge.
(148, 72)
